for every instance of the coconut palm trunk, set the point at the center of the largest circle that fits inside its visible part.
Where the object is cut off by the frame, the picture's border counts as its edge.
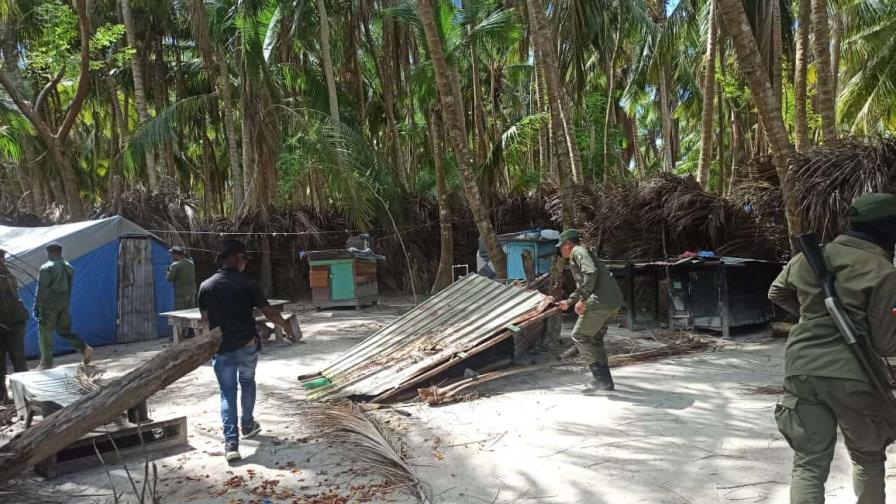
(709, 87)
(328, 60)
(152, 174)
(738, 27)
(452, 110)
(826, 95)
(555, 93)
(215, 62)
(444, 274)
(800, 121)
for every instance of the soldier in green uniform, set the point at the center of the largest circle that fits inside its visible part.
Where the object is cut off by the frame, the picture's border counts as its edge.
(824, 385)
(182, 274)
(51, 307)
(596, 299)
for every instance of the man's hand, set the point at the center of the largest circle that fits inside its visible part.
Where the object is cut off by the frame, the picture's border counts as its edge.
(563, 305)
(277, 318)
(580, 308)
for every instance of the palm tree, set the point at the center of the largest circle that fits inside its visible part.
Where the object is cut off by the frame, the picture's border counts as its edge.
(801, 64)
(137, 66)
(327, 59)
(867, 103)
(769, 108)
(558, 99)
(826, 93)
(452, 110)
(709, 86)
(444, 275)
(665, 100)
(215, 62)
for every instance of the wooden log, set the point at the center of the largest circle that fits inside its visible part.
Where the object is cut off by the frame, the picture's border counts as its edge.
(105, 404)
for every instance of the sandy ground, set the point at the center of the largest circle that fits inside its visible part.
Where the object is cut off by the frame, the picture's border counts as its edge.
(685, 430)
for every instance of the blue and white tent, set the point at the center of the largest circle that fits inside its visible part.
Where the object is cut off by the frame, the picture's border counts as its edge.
(119, 285)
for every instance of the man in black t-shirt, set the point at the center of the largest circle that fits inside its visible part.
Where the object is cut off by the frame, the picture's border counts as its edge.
(227, 301)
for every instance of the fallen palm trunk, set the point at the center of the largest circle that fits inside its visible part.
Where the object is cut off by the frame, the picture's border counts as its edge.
(106, 403)
(377, 448)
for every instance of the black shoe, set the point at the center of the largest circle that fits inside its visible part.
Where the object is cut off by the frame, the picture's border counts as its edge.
(232, 451)
(602, 378)
(251, 430)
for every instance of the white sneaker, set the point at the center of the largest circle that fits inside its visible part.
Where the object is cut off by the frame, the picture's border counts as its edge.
(232, 452)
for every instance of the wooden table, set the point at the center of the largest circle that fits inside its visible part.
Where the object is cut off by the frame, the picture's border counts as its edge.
(183, 320)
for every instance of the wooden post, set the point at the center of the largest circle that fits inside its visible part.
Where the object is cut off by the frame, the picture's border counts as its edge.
(68, 424)
(630, 314)
(724, 315)
(528, 266)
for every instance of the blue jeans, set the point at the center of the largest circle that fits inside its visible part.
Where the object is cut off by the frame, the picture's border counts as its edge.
(232, 368)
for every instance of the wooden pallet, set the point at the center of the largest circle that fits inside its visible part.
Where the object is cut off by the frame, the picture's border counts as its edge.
(115, 442)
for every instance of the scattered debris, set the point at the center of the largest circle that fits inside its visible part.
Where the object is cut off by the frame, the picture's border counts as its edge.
(685, 343)
(440, 395)
(379, 450)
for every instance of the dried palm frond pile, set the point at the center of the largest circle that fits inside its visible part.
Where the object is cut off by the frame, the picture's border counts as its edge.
(378, 449)
(664, 216)
(681, 344)
(830, 176)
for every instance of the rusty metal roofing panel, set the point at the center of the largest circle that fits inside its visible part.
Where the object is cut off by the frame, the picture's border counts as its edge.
(458, 318)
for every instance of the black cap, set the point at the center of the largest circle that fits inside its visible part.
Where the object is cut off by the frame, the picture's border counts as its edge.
(54, 247)
(227, 248)
(177, 249)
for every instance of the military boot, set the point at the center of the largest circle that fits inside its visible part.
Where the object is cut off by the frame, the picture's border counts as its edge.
(602, 380)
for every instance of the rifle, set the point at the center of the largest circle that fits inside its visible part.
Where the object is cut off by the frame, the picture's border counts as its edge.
(874, 366)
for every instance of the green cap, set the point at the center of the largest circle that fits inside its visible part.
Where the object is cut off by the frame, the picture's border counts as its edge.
(567, 234)
(872, 207)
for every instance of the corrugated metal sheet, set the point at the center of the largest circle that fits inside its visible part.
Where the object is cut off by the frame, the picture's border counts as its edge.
(457, 319)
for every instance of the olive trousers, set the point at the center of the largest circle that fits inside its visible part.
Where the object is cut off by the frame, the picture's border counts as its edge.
(589, 331)
(808, 416)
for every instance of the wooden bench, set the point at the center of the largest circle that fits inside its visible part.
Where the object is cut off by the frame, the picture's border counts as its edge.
(182, 321)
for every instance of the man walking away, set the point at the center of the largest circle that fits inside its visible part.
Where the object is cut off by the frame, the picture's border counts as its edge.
(51, 307)
(824, 383)
(182, 275)
(13, 316)
(596, 299)
(226, 301)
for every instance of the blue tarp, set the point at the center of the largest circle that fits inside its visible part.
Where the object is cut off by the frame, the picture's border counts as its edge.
(92, 249)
